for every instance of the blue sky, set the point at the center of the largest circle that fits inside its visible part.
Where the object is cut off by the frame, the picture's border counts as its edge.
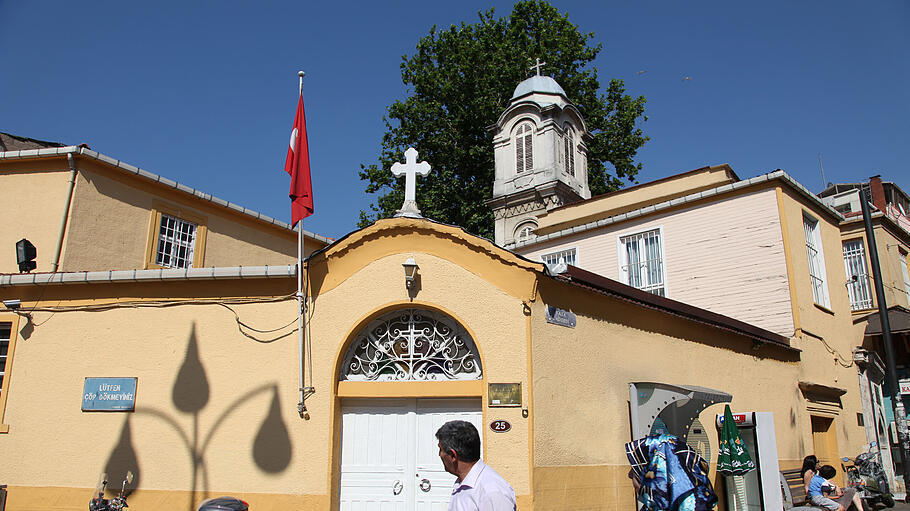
(205, 92)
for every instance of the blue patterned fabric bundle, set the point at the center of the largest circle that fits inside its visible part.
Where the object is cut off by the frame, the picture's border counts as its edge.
(673, 476)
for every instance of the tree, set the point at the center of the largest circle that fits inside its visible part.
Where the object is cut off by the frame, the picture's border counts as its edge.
(461, 79)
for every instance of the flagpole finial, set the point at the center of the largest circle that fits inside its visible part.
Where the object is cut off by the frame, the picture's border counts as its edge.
(301, 74)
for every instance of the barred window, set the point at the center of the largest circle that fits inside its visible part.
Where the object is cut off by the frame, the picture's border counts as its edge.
(816, 261)
(563, 256)
(857, 276)
(524, 150)
(642, 261)
(176, 243)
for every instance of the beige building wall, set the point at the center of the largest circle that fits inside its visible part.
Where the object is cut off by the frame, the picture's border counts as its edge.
(113, 225)
(824, 334)
(581, 391)
(726, 256)
(34, 195)
(201, 383)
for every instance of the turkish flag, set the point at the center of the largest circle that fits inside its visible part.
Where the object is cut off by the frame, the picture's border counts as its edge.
(298, 166)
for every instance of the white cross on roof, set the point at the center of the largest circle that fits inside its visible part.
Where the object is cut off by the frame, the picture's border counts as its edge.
(538, 65)
(410, 170)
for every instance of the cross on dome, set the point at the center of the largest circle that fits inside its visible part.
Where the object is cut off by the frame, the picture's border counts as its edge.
(410, 170)
(538, 65)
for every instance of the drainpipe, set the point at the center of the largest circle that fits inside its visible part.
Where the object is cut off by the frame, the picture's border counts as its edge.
(66, 211)
(897, 403)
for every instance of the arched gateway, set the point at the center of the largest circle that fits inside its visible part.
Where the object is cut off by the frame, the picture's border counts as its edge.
(389, 456)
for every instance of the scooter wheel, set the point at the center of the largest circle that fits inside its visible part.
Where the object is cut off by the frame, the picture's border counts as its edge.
(888, 500)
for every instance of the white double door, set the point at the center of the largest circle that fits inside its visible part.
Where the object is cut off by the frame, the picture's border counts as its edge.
(389, 455)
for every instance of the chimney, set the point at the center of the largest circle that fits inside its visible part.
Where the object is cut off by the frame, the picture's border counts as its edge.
(878, 192)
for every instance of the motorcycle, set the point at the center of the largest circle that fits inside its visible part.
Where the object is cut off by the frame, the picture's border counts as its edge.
(117, 503)
(866, 475)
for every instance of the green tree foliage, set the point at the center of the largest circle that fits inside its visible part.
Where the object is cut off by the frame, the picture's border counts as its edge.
(461, 79)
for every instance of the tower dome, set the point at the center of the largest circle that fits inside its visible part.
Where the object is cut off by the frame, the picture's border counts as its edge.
(538, 84)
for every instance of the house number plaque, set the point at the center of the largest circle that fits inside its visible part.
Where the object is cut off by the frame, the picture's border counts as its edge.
(500, 426)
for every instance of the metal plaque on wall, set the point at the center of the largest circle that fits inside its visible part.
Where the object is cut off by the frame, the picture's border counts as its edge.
(504, 394)
(561, 317)
(109, 395)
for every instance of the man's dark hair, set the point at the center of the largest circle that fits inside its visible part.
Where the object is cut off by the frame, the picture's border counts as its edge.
(461, 437)
(827, 471)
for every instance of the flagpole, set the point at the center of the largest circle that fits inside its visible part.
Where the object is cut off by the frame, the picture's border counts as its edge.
(301, 407)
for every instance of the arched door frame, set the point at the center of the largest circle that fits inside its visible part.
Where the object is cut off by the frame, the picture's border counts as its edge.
(394, 389)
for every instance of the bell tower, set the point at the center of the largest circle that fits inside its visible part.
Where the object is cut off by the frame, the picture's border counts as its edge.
(540, 152)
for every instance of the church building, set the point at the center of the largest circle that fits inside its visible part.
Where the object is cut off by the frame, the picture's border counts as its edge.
(409, 323)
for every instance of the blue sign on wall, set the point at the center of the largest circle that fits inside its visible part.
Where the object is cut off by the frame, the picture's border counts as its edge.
(109, 395)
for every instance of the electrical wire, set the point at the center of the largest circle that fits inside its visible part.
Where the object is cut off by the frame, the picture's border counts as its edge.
(242, 327)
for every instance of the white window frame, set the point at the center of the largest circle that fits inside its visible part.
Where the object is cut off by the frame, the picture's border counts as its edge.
(815, 255)
(175, 244)
(556, 253)
(4, 357)
(623, 262)
(524, 143)
(859, 290)
(903, 258)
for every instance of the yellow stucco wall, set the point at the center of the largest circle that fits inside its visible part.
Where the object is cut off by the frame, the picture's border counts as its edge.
(201, 383)
(110, 225)
(581, 391)
(34, 195)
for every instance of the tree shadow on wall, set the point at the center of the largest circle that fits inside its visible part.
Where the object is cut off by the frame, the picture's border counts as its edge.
(271, 446)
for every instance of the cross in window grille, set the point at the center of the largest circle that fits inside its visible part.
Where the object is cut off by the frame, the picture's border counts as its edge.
(176, 242)
(643, 262)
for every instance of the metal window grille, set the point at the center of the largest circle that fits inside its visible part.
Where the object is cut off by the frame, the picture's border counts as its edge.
(857, 276)
(524, 159)
(5, 331)
(176, 243)
(565, 256)
(816, 264)
(412, 344)
(643, 261)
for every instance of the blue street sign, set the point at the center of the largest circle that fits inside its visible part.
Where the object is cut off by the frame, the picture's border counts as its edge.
(109, 395)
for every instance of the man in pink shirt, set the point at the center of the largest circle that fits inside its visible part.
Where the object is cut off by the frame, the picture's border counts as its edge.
(477, 486)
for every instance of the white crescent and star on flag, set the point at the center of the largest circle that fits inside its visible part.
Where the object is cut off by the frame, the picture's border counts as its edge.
(293, 143)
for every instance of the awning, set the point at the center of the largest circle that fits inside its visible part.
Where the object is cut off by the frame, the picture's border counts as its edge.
(677, 406)
(898, 317)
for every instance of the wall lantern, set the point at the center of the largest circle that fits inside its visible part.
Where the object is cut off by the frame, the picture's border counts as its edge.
(410, 271)
(25, 255)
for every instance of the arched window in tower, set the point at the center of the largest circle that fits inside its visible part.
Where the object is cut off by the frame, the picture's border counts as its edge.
(569, 141)
(524, 150)
(525, 231)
